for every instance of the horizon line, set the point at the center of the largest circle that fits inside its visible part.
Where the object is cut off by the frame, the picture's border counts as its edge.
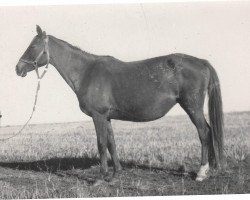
(89, 120)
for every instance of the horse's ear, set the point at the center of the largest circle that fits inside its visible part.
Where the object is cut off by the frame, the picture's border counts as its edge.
(39, 30)
(44, 34)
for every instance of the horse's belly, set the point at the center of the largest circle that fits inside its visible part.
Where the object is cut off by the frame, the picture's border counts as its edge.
(147, 112)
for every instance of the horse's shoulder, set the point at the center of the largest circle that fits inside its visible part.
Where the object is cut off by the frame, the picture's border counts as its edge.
(110, 63)
(104, 65)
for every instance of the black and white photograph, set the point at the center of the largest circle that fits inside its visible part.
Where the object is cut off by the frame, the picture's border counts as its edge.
(124, 99)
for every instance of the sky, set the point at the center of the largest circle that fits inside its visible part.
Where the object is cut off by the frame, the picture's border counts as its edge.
(216, 31)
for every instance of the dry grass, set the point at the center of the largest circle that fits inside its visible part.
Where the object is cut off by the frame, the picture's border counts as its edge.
(60, 160)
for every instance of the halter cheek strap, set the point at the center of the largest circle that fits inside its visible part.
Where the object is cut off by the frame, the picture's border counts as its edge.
(34, 63)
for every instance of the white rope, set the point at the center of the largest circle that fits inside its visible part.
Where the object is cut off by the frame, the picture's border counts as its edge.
(32, 113)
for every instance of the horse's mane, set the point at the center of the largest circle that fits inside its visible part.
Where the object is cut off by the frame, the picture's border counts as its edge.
(76, 48)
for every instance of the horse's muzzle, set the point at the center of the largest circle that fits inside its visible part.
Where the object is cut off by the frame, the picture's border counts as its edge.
(20, 71)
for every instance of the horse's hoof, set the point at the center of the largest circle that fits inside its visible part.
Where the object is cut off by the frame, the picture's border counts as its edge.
(114, 181)
(102, 179)
(119, 169)
(117, 174)
(99, 182)
(200, 178)
(107, 178)
(203, 173)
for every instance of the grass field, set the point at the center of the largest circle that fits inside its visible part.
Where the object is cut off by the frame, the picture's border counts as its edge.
(158, 158)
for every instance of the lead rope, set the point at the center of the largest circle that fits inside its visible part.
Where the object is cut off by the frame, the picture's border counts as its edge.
(33, 110)
(31, 115)
(36, 94)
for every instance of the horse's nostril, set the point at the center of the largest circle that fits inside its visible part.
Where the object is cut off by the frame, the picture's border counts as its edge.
(18, 71)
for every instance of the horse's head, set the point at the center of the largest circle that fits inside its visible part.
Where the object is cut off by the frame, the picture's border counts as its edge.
(36, 55)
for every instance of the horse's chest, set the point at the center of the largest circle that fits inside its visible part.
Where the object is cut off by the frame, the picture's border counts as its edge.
(84, 104)
(85, 108)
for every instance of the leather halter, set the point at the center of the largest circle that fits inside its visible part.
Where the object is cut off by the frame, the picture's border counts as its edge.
(34, 63)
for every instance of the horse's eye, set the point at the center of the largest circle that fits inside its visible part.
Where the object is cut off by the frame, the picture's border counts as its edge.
(33, 46)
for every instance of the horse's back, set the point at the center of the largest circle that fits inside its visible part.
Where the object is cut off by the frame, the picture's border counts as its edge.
(170, 68)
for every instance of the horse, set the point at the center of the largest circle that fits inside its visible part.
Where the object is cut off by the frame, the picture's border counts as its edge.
(139, 91)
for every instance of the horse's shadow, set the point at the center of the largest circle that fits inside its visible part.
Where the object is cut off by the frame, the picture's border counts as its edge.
(53, 165)
(57, 165)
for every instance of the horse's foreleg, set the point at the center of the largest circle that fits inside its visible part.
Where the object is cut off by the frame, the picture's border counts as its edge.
(101, 127)
(112, 149)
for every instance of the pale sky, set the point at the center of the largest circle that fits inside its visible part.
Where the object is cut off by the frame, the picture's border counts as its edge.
(218, 32)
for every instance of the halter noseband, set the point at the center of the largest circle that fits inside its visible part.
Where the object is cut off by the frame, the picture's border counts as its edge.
(34, 63)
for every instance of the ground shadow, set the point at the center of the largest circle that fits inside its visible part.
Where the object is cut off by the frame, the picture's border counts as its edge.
(179, 171)
(54, 165)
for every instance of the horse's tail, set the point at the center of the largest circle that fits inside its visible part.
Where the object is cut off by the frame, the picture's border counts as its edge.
(216, 119)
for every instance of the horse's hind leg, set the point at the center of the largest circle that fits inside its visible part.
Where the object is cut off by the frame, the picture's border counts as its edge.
(193, 105)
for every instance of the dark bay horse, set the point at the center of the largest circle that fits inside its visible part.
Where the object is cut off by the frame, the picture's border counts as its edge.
(140, 91)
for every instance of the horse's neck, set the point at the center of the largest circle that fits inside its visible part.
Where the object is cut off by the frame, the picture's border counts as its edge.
(69, 62)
